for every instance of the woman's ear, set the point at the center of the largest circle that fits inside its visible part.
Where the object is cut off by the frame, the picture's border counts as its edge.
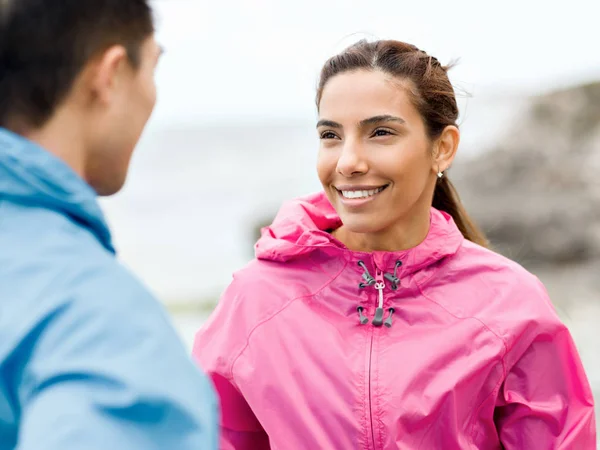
(444, 149)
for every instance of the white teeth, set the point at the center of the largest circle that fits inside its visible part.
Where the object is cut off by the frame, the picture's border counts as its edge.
(361, 194)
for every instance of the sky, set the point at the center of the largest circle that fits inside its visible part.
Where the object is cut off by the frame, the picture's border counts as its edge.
(257, 62)
(260, 59)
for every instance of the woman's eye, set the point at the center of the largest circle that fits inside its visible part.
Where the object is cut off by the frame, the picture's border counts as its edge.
(328, 135)
(382, 132)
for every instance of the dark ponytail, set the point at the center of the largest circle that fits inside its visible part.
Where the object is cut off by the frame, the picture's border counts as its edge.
(446, 198)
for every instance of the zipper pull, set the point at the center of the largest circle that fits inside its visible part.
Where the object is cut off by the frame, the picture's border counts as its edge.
(379, 285)
(388, 321)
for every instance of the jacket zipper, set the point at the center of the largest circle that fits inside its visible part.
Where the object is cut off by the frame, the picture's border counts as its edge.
(377, 321)
(379, 285)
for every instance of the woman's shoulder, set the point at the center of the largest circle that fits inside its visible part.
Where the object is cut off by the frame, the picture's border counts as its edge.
(481, 284)
(262, 287)
(492, 268)
(482, 270)
(258, 293)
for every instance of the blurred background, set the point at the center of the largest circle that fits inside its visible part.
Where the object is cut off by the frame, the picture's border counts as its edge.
(233, 135)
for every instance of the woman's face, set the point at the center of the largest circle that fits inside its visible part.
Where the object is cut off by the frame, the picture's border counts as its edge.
(375, 160)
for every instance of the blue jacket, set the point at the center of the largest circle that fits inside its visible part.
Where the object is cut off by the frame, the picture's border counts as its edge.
(88, 358)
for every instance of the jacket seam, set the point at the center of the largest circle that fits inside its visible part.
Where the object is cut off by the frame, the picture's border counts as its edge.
(283, 307)
(491, 394)
(465, 318)
(506, 350)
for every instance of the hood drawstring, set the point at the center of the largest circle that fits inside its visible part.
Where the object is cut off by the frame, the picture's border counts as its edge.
(369, 280)
(379, 283)
(393, 279)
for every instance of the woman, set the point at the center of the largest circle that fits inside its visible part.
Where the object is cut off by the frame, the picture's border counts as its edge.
(373, 316)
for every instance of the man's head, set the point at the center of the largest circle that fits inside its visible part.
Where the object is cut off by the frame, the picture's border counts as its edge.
(78, 77)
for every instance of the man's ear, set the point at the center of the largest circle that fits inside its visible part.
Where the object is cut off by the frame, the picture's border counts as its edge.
(106, 71)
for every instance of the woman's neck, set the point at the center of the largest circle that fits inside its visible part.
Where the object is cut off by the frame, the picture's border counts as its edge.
(401, 236)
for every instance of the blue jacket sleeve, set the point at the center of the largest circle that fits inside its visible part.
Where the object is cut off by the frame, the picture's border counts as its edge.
(106, 370)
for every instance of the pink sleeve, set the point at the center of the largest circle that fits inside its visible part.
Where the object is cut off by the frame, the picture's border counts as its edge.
(215, 346)
(240, 430)
(546, 401)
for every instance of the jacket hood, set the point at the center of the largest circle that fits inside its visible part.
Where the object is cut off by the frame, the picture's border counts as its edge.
(30, 175)
(304, 225)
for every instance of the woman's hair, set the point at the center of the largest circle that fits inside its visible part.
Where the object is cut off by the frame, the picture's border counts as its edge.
(431, 93)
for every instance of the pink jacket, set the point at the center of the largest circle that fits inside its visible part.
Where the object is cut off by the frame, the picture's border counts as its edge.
(466, 351)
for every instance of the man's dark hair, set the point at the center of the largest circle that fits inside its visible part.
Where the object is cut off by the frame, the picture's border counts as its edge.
(45, 44)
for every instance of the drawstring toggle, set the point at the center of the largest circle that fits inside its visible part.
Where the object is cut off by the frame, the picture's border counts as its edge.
(361, 317)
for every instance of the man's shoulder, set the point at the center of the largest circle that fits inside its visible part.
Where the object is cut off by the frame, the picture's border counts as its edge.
(56, 265)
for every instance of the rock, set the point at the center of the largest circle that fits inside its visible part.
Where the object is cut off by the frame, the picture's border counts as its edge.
(536, 193)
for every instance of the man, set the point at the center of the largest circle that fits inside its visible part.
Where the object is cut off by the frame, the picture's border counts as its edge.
(88, 358)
